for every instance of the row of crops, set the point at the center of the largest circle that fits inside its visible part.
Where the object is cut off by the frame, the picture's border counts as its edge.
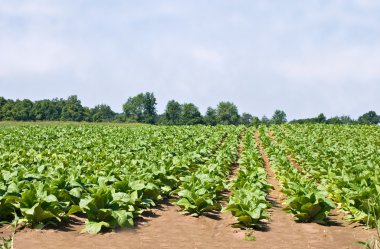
(109, 173)
(304, 199)
(112, 174)
(343, 160)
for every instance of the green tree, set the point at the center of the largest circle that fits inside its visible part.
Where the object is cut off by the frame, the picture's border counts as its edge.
(190, 115)
(134, 108)
(255, 121)
(340, 120)
(46, 110)
(369, 118)
(265, 120)
(278, 117)
(57, 105)
(334, 120)
(22, 110)
(321, 118)
(72, 110)
(246, 118)
(150, 112)
(41, 109)
(120, 118)
(161, 119)
(173, 112)
(102, 113)
(87, 114)
(227, 113)
(141, 108)
(7, 110)
(345, 119)
(210, 117)
(3, 101)
(317, 120)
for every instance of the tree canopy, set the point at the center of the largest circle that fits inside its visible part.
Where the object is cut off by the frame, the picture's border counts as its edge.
(141, 108)
(278, 117)
(101, 113)
(173, 112)
(210, 117)
(369, 118)
(227, 113)
(190, 115)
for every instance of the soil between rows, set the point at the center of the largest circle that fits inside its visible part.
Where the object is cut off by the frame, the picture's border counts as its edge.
(166, 227)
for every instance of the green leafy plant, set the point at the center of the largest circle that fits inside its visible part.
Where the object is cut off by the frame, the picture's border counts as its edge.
(304, 199)
(110, 173)
(346, 166)
(374, 242)
(307, 203)
(200, 193)
(248, 200)
(107, 209)
(202, 190)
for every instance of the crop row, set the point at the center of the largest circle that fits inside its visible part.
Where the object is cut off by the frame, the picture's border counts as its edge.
(112, 174)
(202, 190)
(249, 189)
(109, 173)
(307, 201)
(344, 160)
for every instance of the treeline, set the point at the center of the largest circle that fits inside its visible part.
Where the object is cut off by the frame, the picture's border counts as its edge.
(142, 109)
(69, 109)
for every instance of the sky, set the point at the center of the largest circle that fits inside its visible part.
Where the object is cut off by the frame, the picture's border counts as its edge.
(303, 57)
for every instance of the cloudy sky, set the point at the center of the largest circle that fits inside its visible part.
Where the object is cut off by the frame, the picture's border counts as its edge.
(304, 57)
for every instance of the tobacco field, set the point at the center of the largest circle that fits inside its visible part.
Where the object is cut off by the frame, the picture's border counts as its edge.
(111, 174)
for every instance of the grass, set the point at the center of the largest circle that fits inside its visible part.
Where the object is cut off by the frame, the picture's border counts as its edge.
(249, 236)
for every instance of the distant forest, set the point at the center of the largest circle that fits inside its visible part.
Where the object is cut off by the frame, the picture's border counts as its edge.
(142, 109)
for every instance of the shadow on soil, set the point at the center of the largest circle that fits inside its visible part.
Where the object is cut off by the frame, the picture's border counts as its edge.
(213, 215)
(69, 224)
(78, 219)
(332, 221)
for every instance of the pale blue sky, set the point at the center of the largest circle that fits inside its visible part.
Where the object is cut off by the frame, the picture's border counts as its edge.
(304, 57)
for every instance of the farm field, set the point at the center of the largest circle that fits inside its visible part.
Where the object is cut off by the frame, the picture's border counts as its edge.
(111, 186)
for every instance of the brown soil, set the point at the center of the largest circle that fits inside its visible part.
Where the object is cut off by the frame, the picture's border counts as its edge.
(166, 227)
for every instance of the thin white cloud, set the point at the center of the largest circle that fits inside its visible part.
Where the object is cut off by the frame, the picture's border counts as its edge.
(358, 64)
(260, 54)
